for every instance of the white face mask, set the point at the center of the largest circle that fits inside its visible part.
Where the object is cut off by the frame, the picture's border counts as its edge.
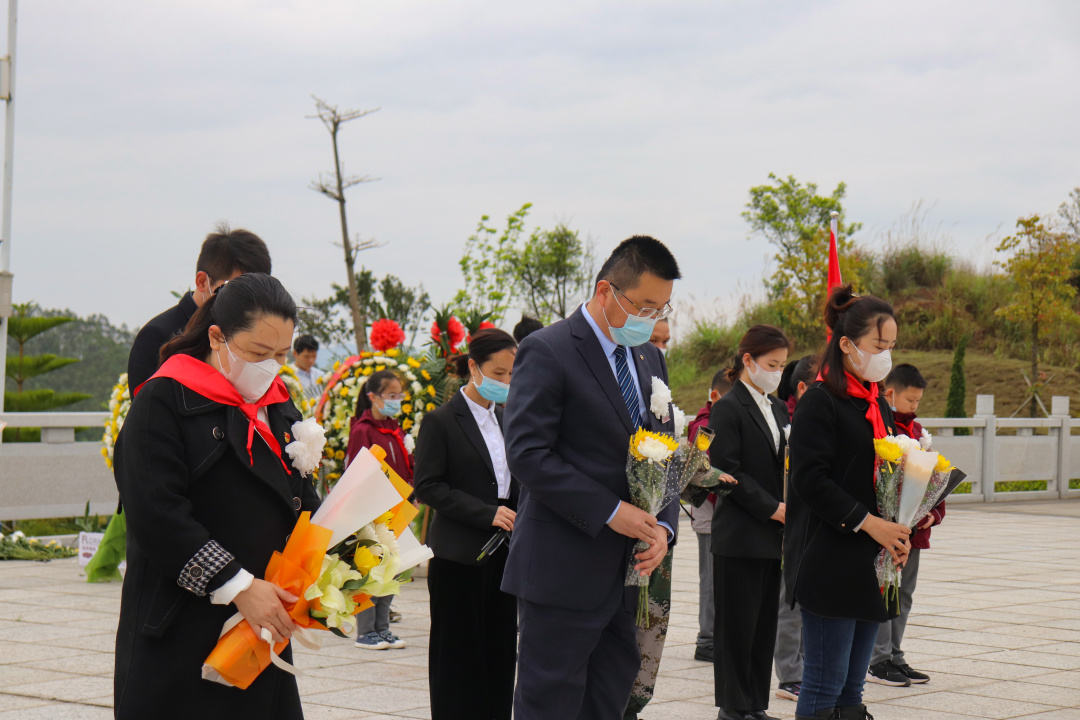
(251, 379)
(873, 368)
(767, 380)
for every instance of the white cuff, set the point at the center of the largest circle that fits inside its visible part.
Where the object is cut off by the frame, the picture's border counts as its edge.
(670, 532)
(228, 592)
(857, 527)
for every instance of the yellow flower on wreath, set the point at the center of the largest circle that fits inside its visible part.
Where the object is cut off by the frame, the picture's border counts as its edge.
(643, 438)
(344, 391)
(368, 370)
(425, 374)
(430, 407)
(431, 390)
(380, 368)
(413, 363)
(406, 408)
(406, 423)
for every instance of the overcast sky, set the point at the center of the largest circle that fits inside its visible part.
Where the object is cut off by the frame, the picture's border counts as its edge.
(140, 125)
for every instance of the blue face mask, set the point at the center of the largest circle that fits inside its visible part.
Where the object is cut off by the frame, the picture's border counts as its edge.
(635, 331)
(391, 408)
(492, 390)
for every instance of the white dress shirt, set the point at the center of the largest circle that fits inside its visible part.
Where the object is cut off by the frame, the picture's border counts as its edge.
(765, 406)
(309, 379)
(493, 438)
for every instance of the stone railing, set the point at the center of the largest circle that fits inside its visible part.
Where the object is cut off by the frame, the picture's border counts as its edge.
(56, 477)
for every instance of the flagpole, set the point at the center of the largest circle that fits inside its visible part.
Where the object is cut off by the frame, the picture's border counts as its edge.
(834, 220)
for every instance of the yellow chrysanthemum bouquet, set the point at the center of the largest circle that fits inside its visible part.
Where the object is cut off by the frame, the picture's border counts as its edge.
(909, 482)
(658, 469)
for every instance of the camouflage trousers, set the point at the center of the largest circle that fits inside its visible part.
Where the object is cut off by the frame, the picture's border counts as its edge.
(651, 639)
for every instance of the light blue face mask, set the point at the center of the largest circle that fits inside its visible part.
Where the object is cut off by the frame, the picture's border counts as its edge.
(492, 390)
(391, 408)
(635, 331)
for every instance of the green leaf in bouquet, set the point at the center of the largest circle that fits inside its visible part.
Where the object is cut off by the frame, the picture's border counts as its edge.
(353, 584)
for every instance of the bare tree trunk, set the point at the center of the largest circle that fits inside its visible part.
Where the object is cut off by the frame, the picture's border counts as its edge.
(1034, 366)
(332, 119)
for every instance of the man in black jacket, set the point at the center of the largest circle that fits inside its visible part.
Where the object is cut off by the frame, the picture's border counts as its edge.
(225, 254)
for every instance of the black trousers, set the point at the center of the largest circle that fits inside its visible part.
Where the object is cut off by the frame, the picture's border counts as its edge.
(747, 595)
(473, 648)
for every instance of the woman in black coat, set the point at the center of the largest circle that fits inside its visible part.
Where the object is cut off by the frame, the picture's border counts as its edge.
(748, 525)
(206, 508)
(461, 472)
(834, 530)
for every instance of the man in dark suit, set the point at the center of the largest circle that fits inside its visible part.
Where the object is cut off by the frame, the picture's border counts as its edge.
(225, 254)
(581, 388)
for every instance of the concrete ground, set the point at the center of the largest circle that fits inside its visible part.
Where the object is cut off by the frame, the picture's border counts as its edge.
(996, 624)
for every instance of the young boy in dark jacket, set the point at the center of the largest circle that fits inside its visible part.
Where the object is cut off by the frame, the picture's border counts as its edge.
(904, 390)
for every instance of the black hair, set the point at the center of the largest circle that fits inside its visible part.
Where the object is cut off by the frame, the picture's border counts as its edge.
(482, 346)
(374, 384)
(803, 371)
(757, 341)
(305, 343)
(851, 316)
(226, 251)
(633, 258)
(526, 327)
(234, 307)
(720, 382)
(905, 376)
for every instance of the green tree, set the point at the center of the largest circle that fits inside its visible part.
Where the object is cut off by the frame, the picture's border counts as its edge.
(487, 265)
(1040, 265)
(954, 403)
(553, 272)
(23, 367)
(794, 219)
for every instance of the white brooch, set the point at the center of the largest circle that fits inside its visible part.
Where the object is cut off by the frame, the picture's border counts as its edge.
(661, 400)
(680, 420)
(307, 449)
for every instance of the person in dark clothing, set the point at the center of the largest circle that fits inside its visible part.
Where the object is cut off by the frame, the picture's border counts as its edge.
(748, 526)
(225, 254)
(210, 494)
(834, 531)
(462, 473)
(377, 407)
(904, 389)
(701, 522)
(526, 327)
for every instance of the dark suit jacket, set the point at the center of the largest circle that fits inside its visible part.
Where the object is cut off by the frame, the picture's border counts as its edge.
(829, 568)
(145, 358)
(183, 472)
(567, 437)
(455, 476)
(744, 449)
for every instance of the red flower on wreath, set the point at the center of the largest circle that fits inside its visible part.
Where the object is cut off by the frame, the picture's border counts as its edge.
(483, 326)
(386, 334)
(454, 332)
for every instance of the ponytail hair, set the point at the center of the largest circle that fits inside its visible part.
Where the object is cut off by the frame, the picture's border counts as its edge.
(851, 316)
(374, 384)
(482, 345)
(234, 307)
(757, 341)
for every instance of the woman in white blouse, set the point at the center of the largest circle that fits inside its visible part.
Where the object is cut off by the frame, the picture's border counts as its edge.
(461, 473)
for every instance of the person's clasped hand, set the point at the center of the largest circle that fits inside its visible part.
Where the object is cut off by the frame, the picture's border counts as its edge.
(504, 518)
(650, 559)
(263, 606)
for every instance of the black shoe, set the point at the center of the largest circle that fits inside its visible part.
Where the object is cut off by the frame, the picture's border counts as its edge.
(788, 691)
(830, 714)
(395, 616)
(885, 673)
(727, 715)
(853, 712)
(704, 654)
(912, 674)
(759, 715)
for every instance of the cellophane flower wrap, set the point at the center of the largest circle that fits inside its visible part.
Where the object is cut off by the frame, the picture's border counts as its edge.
(658, 469)
(356, 546)
(909, 482)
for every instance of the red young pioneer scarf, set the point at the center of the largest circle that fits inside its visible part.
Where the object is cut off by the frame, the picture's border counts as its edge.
(856, 389)
(202, 378)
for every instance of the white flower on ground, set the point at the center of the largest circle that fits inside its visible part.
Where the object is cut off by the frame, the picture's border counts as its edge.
(307, 449)
(661, 399)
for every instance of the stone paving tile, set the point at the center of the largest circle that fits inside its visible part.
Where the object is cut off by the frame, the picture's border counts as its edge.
(996, 623)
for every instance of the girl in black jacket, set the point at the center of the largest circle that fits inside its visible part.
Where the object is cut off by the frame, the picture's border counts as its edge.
(748, 525)
(834, 532)
(209, 493)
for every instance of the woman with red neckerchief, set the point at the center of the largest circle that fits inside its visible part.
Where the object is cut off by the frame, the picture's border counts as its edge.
(210, 494)
(834, 531)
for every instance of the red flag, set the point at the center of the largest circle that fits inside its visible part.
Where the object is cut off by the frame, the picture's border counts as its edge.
(834, 262)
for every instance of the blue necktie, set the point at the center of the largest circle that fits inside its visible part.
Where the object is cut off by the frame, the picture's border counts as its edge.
(626, 385)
